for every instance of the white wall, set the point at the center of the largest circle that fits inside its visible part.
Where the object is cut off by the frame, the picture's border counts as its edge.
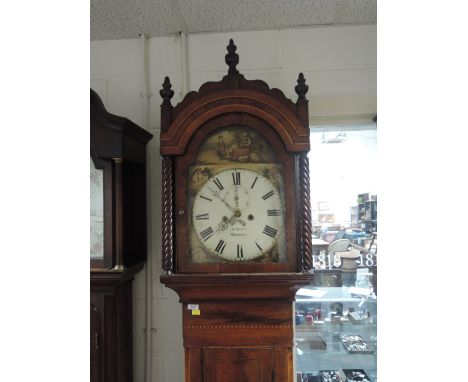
(339, 64)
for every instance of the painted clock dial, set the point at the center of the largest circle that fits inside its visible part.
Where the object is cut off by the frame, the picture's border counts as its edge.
(238, 215)
(236, 200)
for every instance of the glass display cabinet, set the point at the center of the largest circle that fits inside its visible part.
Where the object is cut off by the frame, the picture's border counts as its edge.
(336, 329)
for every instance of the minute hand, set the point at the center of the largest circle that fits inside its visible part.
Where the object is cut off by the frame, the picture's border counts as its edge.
(216, 194)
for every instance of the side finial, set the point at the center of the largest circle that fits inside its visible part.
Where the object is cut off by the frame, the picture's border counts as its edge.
(301, 88)
(166, 92)
(232, 58)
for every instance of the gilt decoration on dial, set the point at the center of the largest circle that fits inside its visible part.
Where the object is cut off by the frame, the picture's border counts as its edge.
(236, 200)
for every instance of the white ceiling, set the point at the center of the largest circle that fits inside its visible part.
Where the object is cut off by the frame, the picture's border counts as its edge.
(122, 19)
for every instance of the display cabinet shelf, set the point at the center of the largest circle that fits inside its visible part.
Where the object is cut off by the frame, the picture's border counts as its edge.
(325, 318)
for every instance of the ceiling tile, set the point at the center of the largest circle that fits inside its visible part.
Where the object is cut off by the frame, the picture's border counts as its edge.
(121, 19)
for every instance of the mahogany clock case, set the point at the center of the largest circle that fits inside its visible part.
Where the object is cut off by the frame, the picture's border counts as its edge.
(237, 315)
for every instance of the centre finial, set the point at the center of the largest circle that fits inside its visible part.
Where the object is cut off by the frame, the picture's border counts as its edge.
(232, 58)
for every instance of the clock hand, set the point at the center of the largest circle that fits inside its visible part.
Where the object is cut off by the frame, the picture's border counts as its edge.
(235, 219)
(221, 226)
(241, 222)
(217, 195)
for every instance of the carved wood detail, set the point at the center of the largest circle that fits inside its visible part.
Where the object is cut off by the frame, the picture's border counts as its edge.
(168, 215)
(302, 103)
(287, 125)
(234, 94)
(166, 92)
(243, 83)
(301, 88)
(305, 218)
(166, 108)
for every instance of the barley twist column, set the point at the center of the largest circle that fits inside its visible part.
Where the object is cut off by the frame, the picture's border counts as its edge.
(305, 213)
(167, 216)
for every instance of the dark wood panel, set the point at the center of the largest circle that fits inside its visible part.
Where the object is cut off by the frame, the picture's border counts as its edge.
(231, 364)
(111, 322)
(284, 367)
(238, 335)
(95, 337)
(134, 213)
(124, 328)
(114, 136)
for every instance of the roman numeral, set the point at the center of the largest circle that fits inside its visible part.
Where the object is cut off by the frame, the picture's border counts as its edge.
(267, 195)
(204, 197)
(220, 247)
(260, 248)
(218, 183)
(269, 231)
(236, 178)
(253, 184)
(274, 212)
(202, 217)
(207, 233)
(240, 252)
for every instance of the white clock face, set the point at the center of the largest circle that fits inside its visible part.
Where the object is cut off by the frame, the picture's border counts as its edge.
(238, 215)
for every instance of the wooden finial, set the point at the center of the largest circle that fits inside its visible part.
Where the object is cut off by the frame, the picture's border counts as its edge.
(166, 92)
(301, 88)
(232, 58)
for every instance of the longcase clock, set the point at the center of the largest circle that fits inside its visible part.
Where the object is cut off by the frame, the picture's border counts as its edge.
(236, 229)
(118, 238)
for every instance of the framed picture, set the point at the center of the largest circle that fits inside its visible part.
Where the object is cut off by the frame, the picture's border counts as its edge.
(327, 278)
(323, 206)
(326, 218)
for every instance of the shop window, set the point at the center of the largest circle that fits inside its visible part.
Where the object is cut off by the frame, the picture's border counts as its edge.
(336, 316)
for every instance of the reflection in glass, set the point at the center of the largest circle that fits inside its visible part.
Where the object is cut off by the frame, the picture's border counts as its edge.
(96, 208)
(336, 316)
